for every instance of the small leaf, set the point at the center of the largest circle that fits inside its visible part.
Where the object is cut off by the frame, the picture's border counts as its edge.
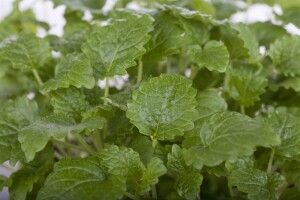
(163, 107)
(124, 41)
(226, 136)
(188, 179)
(27, 52)
(214, 56)
(74, 70)
(82, 178)
(285, 54)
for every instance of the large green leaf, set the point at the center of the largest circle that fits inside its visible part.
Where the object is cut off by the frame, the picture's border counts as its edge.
(82, 178)
(27, 52)
(247, 83)
(214, 56)
(74, 70)
(285, 53)
(163, 107)
(226, 136)
(188, 179)
(14, 116)
(166, 38)
(124, 41)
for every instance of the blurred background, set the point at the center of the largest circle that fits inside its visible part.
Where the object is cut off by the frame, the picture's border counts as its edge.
(51, 21)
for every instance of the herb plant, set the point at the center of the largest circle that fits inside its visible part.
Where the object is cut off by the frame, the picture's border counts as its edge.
(228, 130)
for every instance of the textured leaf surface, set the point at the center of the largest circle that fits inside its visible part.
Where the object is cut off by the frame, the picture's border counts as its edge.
(163, 107)
(165, 39)
(287, 127)
(82, 178)
(14, 116)
(34, 137)
(27, 52)
(256, 183)
(188, 179)
(74, 70)
(214, 56)
(226, 136)
(124, 41)
(247, 83)
(285, 53)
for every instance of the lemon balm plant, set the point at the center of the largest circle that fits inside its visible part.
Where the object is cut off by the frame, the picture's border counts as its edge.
(228, 130)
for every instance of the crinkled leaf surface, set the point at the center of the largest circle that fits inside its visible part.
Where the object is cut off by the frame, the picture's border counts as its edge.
(226, 136)
(34, 137)
(82, 178)
(214, 56)
(247, 83)
(188, 179)
(27, 52)
(285, 53)
(124, 41)
(14, 116)
(74, 69)
(256, 183)
(287, 127)
(163, 107)
(165, 39)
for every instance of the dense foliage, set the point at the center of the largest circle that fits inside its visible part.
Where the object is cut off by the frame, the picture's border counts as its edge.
(204, 115)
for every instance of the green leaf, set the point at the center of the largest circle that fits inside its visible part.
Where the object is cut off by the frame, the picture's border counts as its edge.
(250, 42)
(24, 179)
(166, 38)
(163, 107)
(290, 194)
(14, 116)
(27, 52)
(124, 41)
(155, 169)
(247, 83)
(285, 54)
(142, 144)
(209, 102)
(290, 170)
(126, 163)
(226, 136)
(70, 102)
(94, 6)
(256, 183)
(82, 178)
(214, 56)
(74, 70)
(34, 137)
(188, 179)
(287, 127)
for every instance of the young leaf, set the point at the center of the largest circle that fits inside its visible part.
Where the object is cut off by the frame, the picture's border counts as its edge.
(165, 39)
(188, 179)
(82, 178)
(214, 56)
(285, 54)
(124, 41)
(74, 70)
(226, 136)
(163, 107)
(27, 52)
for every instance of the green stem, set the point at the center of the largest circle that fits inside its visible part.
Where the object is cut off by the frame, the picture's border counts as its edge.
(226, 82)
(97, 140)
(37, 77)
(194, 71)
(106, 92)
(140, 71)
(168, 67)
(231, 193)
(131, 196)
(153, 192)
(154, 142)
(67, 145)
(84, 144)
(242, 108)
(270, 163)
